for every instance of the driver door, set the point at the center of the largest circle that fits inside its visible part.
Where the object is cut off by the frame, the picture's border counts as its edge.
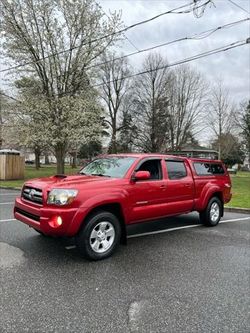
(147, 197)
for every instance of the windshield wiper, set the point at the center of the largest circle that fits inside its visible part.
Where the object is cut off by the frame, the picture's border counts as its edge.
(99, 174)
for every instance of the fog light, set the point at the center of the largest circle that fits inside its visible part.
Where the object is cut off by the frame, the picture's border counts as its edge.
(56, 222)
(59, 220)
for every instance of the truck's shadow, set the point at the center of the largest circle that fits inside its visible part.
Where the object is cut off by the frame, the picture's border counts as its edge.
(54, 249)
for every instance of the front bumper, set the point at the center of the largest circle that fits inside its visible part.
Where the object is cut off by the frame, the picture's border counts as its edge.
(40, 217)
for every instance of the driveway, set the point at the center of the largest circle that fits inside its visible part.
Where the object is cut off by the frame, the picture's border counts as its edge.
(187, 279)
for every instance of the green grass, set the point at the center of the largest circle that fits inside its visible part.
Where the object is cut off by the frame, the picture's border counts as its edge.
(31, 172)
(240, 190)
(241, 183)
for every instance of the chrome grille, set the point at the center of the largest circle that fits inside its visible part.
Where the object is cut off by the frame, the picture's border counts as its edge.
(33, 194)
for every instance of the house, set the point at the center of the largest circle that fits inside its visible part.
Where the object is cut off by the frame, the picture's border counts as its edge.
(190, 150)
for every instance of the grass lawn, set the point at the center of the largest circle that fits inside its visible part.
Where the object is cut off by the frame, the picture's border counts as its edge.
(240, 190)
(241, 183)
(31, 172)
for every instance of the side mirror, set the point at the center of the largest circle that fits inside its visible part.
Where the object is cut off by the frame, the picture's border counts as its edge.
(141, 175)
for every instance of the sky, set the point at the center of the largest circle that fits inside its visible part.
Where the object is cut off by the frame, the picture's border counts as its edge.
(232, 67)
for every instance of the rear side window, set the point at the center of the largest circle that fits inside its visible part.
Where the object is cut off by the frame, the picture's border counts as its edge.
(176, 169)
(206, 169)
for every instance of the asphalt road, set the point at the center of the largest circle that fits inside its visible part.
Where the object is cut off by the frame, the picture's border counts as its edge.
(194, 279)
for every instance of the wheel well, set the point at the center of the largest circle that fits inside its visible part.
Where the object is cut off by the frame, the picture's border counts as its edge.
(116, 209)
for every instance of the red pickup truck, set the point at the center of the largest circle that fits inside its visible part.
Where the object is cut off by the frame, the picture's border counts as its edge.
(113, 191)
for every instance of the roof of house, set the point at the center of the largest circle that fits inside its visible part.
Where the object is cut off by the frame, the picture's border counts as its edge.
(196, 148)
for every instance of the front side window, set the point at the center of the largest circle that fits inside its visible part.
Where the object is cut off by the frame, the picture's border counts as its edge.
(176, 169)
(154, 168)
(115, 167)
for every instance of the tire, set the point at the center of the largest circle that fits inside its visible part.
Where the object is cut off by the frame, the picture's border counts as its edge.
(99, 236)
(213, 212)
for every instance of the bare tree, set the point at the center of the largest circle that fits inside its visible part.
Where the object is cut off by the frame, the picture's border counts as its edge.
(187, 94)
(113, 91)
(220, 114)
(151, 104)
(58, 40)
(128, 128)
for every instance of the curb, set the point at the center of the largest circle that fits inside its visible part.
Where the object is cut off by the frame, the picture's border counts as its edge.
(10, 188)
(237, 210)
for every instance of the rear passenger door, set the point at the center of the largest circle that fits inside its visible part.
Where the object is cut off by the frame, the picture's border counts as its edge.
(179, 187)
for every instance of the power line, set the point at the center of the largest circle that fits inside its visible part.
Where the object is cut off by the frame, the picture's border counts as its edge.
(126, 37)
(196, 7)
(180, 62)
(8, 96)
(235, 4)
(197, 36)
(172, 11)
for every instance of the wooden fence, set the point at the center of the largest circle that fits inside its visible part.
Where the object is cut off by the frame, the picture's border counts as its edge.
(11, 167)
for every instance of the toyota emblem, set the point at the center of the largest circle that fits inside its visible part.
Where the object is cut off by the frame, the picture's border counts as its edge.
(32, 194)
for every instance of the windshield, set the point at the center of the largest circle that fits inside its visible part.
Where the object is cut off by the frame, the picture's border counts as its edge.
(115, 167)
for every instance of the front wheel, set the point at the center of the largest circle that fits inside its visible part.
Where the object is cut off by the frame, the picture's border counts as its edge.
(99, 237)
(213, 212)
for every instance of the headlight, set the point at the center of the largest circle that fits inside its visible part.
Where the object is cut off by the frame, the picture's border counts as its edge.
(61, 197)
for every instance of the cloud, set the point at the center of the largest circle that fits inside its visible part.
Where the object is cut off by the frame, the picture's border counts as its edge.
(233, 66)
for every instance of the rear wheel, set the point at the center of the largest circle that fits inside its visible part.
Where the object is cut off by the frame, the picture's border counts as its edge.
(213, 212)
(99, 237)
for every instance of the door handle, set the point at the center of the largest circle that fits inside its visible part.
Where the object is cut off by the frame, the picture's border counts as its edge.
(187, 185)
(163, 186)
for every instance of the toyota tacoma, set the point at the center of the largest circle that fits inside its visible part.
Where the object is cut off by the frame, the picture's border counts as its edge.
(114, 191)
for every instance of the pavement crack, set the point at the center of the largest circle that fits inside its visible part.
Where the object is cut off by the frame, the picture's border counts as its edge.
(10, 256)
(135, 314)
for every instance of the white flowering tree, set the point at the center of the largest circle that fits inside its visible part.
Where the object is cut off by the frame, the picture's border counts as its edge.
(78, 120)
(57, 41)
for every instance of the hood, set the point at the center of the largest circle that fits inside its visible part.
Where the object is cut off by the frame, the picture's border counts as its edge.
(67, 181)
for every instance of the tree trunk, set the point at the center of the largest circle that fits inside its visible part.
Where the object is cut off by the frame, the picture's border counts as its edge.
(74, 157)
(219, 148)
(1, 135)
(60, 155)
(46, 156)
(37, 158)
(1, 125)
(113, 147)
